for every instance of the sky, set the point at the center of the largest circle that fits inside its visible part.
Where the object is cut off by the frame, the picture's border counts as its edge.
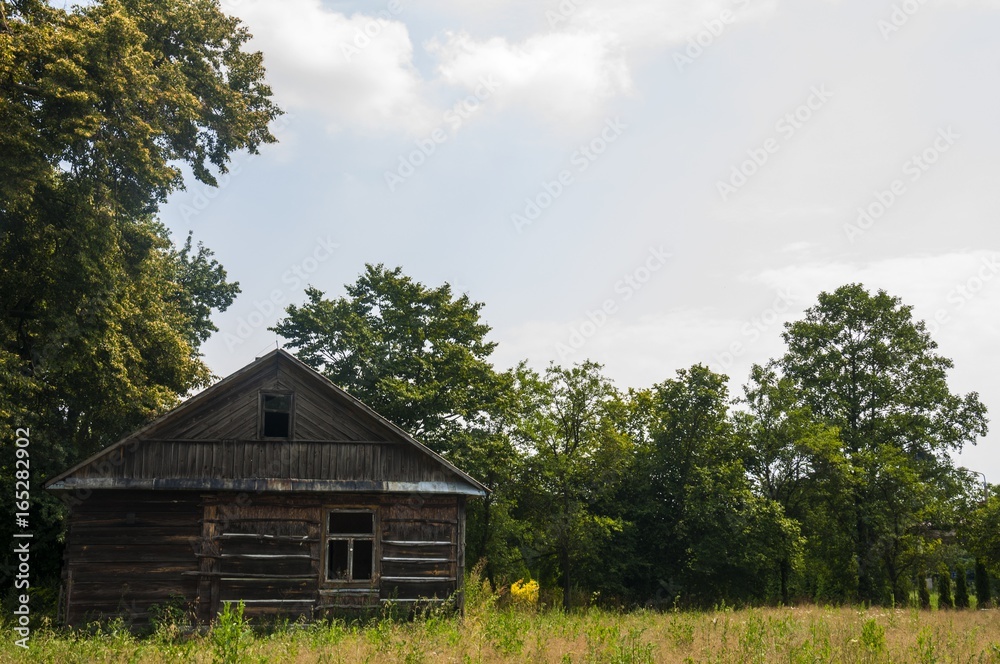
(647, 184)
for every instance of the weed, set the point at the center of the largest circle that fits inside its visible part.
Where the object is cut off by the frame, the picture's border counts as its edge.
(230, 635)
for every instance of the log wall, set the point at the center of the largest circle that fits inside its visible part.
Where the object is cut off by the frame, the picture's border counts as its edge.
(128, 550)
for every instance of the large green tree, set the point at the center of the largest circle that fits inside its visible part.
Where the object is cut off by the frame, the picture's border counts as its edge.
(795, 461)
(866, 367)
(569, 430)
(705, 534)
(101, 316)
(419, 356)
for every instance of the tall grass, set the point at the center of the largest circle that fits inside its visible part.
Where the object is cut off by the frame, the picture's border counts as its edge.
(495, 629)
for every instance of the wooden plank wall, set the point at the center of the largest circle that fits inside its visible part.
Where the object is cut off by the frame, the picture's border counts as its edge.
(253, 459)
(128, 550)
(421, 548)
(233, 414)
(265, 551)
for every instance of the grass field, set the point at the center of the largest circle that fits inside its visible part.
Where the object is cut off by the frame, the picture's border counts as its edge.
(493, 633)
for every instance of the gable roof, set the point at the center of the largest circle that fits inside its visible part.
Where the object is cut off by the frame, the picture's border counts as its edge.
(210, 442)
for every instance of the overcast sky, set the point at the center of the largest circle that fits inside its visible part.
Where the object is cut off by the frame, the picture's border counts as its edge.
(647, 184)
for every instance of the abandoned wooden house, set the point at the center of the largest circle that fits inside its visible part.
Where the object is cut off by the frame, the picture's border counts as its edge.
(274, 487)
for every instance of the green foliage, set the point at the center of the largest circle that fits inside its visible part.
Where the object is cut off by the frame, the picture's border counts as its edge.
(945, 600)
(231, 635)
(984, 598)
(981, 533)
(961, 588)
(873, 638)
(567, 426)
(705, 533)
(101, 317)
(864, 366)
(417, 355)
(923, 594)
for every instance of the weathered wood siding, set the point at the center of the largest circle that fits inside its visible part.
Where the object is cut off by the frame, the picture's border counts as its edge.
(128, 550)
(270, 551)
(234, 415)
(420, 549)
(206, 462)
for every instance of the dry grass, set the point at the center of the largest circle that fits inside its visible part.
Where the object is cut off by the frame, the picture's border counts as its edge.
(491, 634)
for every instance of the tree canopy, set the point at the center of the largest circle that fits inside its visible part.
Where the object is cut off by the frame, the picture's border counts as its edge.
(415, 354)
(102, 106)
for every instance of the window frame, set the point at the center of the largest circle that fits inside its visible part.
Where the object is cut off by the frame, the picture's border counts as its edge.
(261, 413)
(329, 537)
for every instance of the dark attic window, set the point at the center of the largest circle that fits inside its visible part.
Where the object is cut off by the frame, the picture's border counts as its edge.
(276, 415)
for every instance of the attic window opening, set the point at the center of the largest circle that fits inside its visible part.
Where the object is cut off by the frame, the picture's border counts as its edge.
(276, 415)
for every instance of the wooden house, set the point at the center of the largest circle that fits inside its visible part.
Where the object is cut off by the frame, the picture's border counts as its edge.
(274, 487)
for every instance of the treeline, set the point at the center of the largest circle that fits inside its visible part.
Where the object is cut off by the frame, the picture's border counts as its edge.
(829, 477)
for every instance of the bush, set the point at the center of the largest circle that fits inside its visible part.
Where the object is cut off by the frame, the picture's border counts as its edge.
(961, 589)
(983, 599)
(944, 590)
(524, 593)
(923, 595)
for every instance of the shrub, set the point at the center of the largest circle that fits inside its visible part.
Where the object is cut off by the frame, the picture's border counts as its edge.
(944, 590)
(961, 588)
(524, 593)
(983, 598)
(923, 594)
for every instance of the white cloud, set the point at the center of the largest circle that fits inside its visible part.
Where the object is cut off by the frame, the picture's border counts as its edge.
(357, 71)
(565, 76)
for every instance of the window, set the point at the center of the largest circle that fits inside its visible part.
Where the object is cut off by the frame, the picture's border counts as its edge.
(350, 546)
(275, 415)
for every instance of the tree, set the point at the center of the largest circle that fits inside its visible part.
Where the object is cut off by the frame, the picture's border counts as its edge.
(945, 600)
(706, 534)
(101, 317)
(417, 355)
(961, 588)
(569, 433)
(795, 461)
(981, 533)
(865, 366)
(983, 595)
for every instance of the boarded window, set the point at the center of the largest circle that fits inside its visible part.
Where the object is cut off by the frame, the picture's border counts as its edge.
(276, 415)
(350, 546)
